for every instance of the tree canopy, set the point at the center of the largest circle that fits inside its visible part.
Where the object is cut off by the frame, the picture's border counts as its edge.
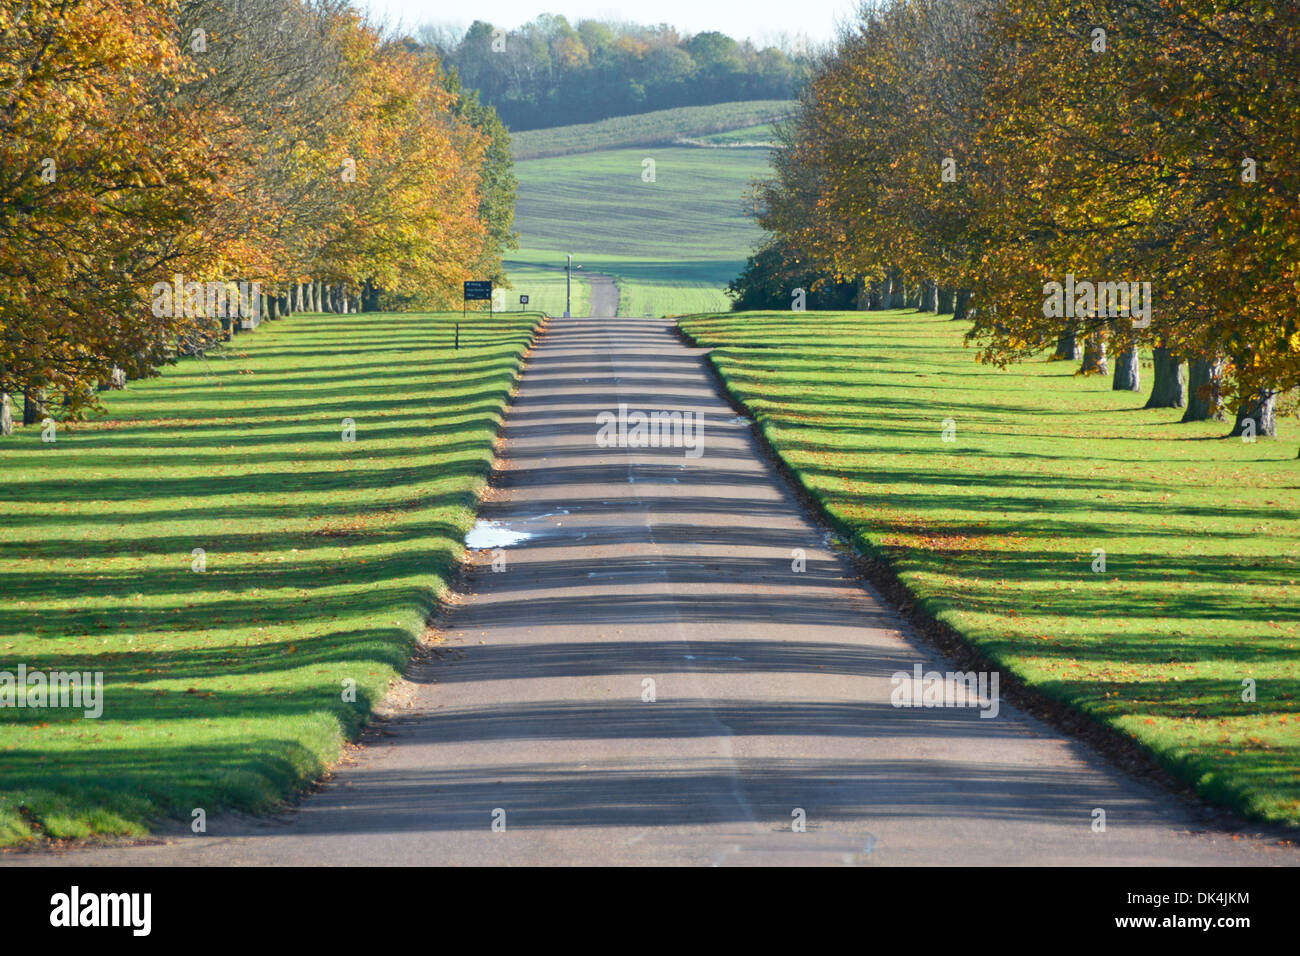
(1012, 147)
(274, 142)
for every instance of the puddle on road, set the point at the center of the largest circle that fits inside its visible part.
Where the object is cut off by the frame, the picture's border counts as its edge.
(833, 541)
(491, 534)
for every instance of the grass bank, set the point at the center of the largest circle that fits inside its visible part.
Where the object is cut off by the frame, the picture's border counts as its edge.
(233, 566)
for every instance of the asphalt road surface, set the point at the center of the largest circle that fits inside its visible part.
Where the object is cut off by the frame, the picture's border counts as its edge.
(771, 687)
(604, 295)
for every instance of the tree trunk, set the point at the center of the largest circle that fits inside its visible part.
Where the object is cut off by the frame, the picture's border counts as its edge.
(1094, 355)
(918, 296)
(6, 415)
(343, 298)
(930, 296)
(1169, 380)
(327, 297)
(33, 405)
(1205, 391)
(1262, 410)
(273, 312)
(1127, 371)
(896, 297)
(117, 379)
(943, 301)
(961, 310)
(1067, 345)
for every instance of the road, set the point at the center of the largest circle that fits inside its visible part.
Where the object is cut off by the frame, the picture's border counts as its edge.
(604, 295)
(771, 686)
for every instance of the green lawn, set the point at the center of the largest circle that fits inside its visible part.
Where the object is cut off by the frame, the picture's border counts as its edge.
(324, 558)
(995, 532)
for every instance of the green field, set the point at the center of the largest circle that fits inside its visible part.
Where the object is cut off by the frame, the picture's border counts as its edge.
(657, 128)
(997, 532)
(748, 135)
(647, 286)
(672, 244)
(323, 559)
(542, 280)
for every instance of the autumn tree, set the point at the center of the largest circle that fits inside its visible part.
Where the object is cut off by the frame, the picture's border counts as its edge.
(152, 146)
(107, 186)
(1133, 152)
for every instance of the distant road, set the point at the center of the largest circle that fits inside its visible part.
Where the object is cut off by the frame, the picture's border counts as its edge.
(604, 295)
(650, 680)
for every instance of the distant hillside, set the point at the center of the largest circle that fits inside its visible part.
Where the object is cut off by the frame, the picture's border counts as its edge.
(672, 244)
(659, 128)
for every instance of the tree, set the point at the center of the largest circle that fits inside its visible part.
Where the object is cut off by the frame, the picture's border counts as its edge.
(108, 187)
(497, 182)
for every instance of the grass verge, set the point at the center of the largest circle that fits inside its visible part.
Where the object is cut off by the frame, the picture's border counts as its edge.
(227, 670)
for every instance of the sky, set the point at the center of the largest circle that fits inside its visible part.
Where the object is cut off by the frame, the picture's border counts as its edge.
(758, 20)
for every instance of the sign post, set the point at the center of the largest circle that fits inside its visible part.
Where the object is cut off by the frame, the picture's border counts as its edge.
(523, 301)
(477, 291)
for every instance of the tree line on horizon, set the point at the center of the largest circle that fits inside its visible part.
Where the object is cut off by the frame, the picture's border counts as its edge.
(1042, 169)
(168, 167)
(550, 73)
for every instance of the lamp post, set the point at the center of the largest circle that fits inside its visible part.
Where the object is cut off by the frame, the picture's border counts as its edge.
(568, 285)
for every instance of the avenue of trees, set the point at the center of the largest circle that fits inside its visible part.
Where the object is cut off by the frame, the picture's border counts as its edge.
(984, 155)
(549, 73)
(279, 146)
